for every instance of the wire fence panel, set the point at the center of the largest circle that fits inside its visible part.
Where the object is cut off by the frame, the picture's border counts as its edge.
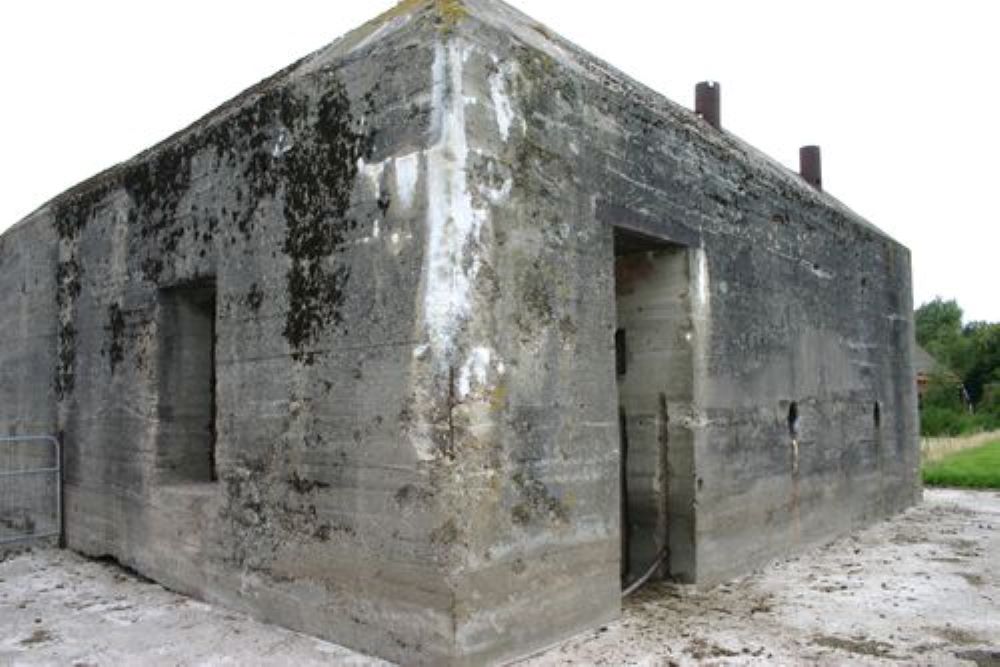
(30, 488)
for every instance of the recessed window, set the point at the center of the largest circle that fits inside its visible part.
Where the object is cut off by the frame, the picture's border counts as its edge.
(186, 446)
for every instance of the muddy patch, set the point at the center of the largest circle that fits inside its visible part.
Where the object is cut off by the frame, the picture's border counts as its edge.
(957, 635)
(988, 658)
(40, 636)
(859, 646)
(973, 579)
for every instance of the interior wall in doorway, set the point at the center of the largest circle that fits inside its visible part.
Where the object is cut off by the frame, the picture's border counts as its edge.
(655, 384)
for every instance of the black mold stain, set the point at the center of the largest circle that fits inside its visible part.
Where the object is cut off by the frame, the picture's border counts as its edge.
(317, 197)
(77, 207)
(68, 274)
(285, 142)
(384, 202)
(410, 494)
(255, 297)
(155, 188)
(248, 493)
(245, 143)
(303, 486)
(116, 329)
(536, 501)
(66, 365)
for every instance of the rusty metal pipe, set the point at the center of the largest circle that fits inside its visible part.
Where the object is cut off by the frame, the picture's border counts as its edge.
(708, 102)
(811, 166)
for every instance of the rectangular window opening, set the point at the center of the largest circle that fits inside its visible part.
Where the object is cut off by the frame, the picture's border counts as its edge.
(187, 380)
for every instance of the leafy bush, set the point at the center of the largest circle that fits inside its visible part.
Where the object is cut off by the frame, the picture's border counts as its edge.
(938, 421)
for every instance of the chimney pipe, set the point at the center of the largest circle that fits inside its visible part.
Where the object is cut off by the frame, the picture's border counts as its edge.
(708, 103)
(811, 166)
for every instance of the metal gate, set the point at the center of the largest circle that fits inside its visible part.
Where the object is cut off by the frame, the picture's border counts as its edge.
(30, 488)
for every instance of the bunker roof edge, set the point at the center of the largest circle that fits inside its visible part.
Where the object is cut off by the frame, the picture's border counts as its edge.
(454, 16)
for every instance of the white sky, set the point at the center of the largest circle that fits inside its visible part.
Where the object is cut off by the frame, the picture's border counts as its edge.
(903, 96)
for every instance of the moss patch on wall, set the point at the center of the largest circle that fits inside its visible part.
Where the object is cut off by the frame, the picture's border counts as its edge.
(447, 13)
(320, 181)
(289, 144)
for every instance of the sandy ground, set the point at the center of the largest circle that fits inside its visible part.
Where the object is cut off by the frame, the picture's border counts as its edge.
(57, 608)
(921, 589)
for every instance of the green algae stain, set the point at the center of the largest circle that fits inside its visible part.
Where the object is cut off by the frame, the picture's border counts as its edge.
(451, 12)
(447, 13)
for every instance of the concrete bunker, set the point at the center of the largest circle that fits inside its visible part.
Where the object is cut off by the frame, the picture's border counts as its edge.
(655, 381)
(186, 442)
(419, 240)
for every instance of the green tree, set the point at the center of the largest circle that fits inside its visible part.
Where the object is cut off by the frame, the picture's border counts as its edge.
(972, 353)
(982, 366)
(938, 321)
(939, 331)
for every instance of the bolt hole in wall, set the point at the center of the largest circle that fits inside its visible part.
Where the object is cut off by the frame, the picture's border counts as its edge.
(793, 420)
(186, 451)
(653, 362)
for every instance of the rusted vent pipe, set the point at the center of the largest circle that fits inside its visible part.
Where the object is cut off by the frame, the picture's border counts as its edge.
(811, 166)
(708, 102)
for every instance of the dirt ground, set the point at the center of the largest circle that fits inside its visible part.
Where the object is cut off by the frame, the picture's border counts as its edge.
(923, 588)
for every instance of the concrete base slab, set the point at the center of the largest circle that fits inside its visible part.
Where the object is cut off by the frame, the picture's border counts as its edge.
(923, 588)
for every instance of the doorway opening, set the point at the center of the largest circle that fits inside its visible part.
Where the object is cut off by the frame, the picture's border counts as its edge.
(186, 451)
(654, 363)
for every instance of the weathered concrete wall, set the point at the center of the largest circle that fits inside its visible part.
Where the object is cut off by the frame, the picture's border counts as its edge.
(28, 279)
(795, 299)
(27, 361)
(531, 466)
(305, 203)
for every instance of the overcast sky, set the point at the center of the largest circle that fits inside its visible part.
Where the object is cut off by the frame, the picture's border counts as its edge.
(902, 95)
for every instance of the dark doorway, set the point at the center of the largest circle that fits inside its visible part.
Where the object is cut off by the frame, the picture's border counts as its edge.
(654, 372)
(187, 403)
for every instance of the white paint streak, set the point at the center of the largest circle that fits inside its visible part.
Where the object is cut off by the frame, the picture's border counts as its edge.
(701, 317)
(474, 373)
(701, 278)
(819, 272)
(496, 195)
(453, 223)
(501, 101)
(452, 256)
(373, 172)
(407, 175)
(283, 145)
